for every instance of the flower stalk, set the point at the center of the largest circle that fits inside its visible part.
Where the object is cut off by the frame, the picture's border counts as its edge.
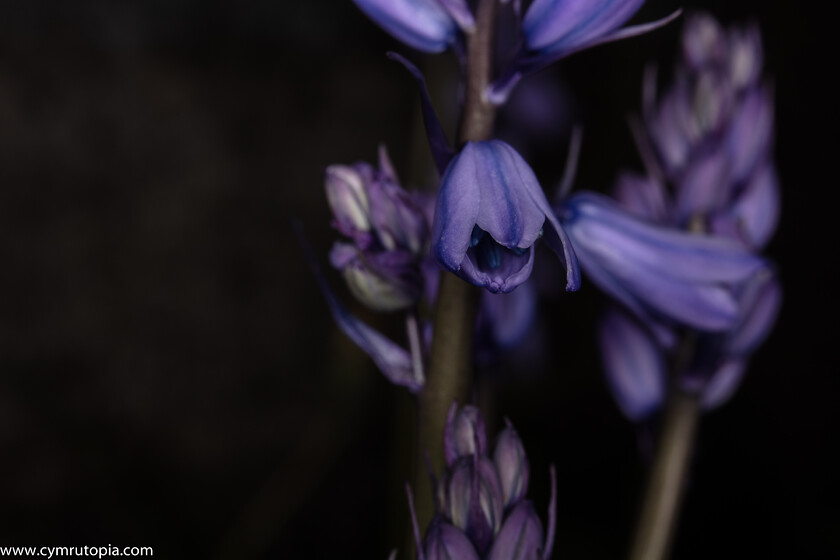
(660, 509)
(450, 371)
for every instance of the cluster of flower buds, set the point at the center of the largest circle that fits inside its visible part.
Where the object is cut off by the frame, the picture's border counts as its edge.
(387, 230)
(685, 263)
(482, 509)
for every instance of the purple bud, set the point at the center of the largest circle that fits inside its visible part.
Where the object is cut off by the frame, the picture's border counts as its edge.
(751, 133)
(512, 465)
(474, 500)
(385, 281)
(704, 41)
(490, 211)
(723, 383)
(521, 536)
(643, 196)
(634, 364)
(348, 199)
(746, 56)
(445, 542)
(759, 301)
(422, 24)
(464, 430)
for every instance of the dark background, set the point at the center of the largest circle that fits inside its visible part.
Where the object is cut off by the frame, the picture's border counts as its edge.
(170, 376)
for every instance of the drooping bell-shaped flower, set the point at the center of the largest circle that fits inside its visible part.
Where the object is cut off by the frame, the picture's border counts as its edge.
(553, 29)
(427, 25)
(661, 274)
(490, 211)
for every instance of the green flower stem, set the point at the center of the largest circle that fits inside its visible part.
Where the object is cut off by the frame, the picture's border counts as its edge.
(660, 509)
(450, 372)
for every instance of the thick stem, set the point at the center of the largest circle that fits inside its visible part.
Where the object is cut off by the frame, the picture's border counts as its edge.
(660, 509)
(449, 375)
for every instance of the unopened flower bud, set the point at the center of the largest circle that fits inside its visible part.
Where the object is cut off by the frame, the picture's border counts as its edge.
(387, 281)
(474, 500)
(512, 465)
(446, 542)
(464, 433)
(521, 537)
(348, 199)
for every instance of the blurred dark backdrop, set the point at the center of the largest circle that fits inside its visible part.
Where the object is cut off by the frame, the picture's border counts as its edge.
(170, 376)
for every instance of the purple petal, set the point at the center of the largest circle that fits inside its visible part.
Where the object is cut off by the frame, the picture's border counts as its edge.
(704, 187)
(634, 365)
(456, 212)
(703, 40)
(751, 134)
(746, 56)
(512, 466)
(723, 384)
(421, 24)
(757, 209)
(511, 271)
(643, 196)
(475, 499)
(521, 536)
(460, 12)
(464, 433)
(759, 301)
(559, 25)
(507, 211)
(445, 542)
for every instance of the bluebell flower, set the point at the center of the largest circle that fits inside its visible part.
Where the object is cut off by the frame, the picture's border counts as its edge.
(661, 274)
(426, 25)
(553, 29)
(490, 211)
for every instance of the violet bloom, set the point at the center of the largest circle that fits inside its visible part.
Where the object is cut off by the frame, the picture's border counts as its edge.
(490, 212)
(427, 25)
(482, 510)
(553, 29)
(661, 274)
